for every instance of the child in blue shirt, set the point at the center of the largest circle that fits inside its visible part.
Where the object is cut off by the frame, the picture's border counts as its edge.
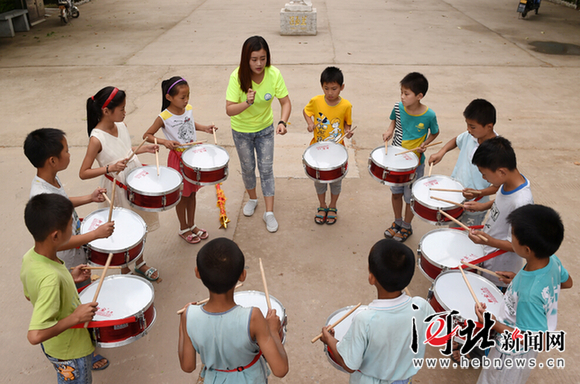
(377, 347)
(531, 299)
(229, 338)
(480, 117)
(419, 129)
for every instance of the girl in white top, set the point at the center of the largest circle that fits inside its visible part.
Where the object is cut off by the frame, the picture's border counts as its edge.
(110, 145)
(176, 122)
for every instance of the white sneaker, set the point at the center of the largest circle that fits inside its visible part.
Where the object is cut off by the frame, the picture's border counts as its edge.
(250, 207)
(271, 223)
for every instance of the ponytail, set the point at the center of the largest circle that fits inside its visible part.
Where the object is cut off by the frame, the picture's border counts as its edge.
(170, 87)
(108, 97)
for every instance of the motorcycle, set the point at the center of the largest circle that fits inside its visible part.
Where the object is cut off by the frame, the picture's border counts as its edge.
(67, 9)
(526, 6)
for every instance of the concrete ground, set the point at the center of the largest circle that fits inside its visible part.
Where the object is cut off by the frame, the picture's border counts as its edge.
(466, 49)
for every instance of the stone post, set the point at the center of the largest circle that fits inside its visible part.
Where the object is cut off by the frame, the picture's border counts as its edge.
(298, 18)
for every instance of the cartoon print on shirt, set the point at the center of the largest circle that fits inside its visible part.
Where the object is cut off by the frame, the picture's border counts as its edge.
(185, 131)
(323, 125)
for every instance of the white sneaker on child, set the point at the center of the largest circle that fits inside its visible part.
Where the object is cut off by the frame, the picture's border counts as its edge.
(271, 223)
(250, 207)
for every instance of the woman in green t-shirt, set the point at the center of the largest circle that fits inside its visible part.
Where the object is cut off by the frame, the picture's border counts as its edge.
(252, 87)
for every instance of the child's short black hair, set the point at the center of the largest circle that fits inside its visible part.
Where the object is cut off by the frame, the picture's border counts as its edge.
(538, 227)
(46, 213)
(495, 153)
(416, 82)
(392, 264)
(481, 111)
(42, 144)
(332, 75)
(220, 263)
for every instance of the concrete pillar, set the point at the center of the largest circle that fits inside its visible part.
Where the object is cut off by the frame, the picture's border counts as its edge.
(298, 18)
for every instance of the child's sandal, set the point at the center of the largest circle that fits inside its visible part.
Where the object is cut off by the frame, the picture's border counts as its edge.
(321, 219)
(191, 239)
(403, 234)
(331, 217)
(201, 233)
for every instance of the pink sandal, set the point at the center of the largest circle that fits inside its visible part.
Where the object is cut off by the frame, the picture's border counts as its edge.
(202, 233)
(191, 239)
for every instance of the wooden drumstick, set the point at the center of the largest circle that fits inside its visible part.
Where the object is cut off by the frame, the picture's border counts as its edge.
(483, 270)
(89, 267)
(205, 300)
(265, 285)
(430, 168)
(192, 143)
(214, 136)
(156, 156)
(101, 281)
(407, 291)
(447, 201)
(337, 322)
(135, 151)
(386, 147)
(460, 223)
(414, 149)
(343, 136)
(107, 198)
(469, 286)
(112, 200)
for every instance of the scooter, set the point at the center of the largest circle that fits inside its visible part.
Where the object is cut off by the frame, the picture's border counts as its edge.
(526, 6)
(67, 9)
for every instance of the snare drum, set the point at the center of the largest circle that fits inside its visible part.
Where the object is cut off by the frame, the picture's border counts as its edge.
(325, 162)
(445, 248)
(149, 192)
(427, 208)
(126, 311)
(127, 241)
(205, 164)
(341, 329)
(258, 299)
(449, 292)
(390, 169)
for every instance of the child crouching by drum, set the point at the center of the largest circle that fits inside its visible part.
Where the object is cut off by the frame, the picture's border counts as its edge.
(229, 338)
(378, 345)
(176, 122)
(332, 119)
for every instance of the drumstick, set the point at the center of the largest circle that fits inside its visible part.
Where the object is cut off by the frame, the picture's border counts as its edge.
(430, 168)
(447, 201)
(265, 285)
(214, 136)
(135, 151)
(460, 223)
(482, 269)
(112, 200)
(107, 198)
(337, 322)
(101, 281)
(414, 149)
(205, 300)
(386, 147)
(88, 267)
(192, 143)
(475, 192)
(157, 156)
(469, 286)
(407, 291)
(343, 136)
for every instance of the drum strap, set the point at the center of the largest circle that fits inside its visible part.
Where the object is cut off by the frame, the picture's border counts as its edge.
(240, 369)
(119, 184)
(107, 323)
(398, 135)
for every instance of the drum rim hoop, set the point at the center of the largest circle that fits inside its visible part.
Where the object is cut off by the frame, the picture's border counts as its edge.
(387, 168)
(141, 240)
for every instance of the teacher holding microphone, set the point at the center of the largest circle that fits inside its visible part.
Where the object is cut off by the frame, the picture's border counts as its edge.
(251, 89)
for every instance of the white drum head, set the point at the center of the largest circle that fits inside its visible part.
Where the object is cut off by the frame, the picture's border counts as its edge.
(421, 191)
(452, 292)
(205, 156)
(129, 231)
(394, 162)
(449, 247)
(325, 155)
(258, 299)
(120, 296)
(341, 329)
(145, 179)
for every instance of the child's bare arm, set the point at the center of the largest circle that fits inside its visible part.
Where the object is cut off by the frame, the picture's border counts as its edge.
(491, 241)
(568, 283)
(150, 134)
(309, 121)
(428, 140)
(348, 131)
(437, 157)
(265, 332)
(185, 350)
(389, 133)
(87, 172)
(81, 314)
(103, 231)
(475, 206)
(331, 342)
(206, 128)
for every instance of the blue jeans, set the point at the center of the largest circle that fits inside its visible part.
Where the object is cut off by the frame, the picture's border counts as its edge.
(261, 145)
(76, 371)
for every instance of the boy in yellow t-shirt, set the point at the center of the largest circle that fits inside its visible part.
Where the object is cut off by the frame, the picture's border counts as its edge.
(329, 117)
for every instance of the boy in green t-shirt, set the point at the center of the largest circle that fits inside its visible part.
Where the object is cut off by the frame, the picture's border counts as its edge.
(50, 287)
